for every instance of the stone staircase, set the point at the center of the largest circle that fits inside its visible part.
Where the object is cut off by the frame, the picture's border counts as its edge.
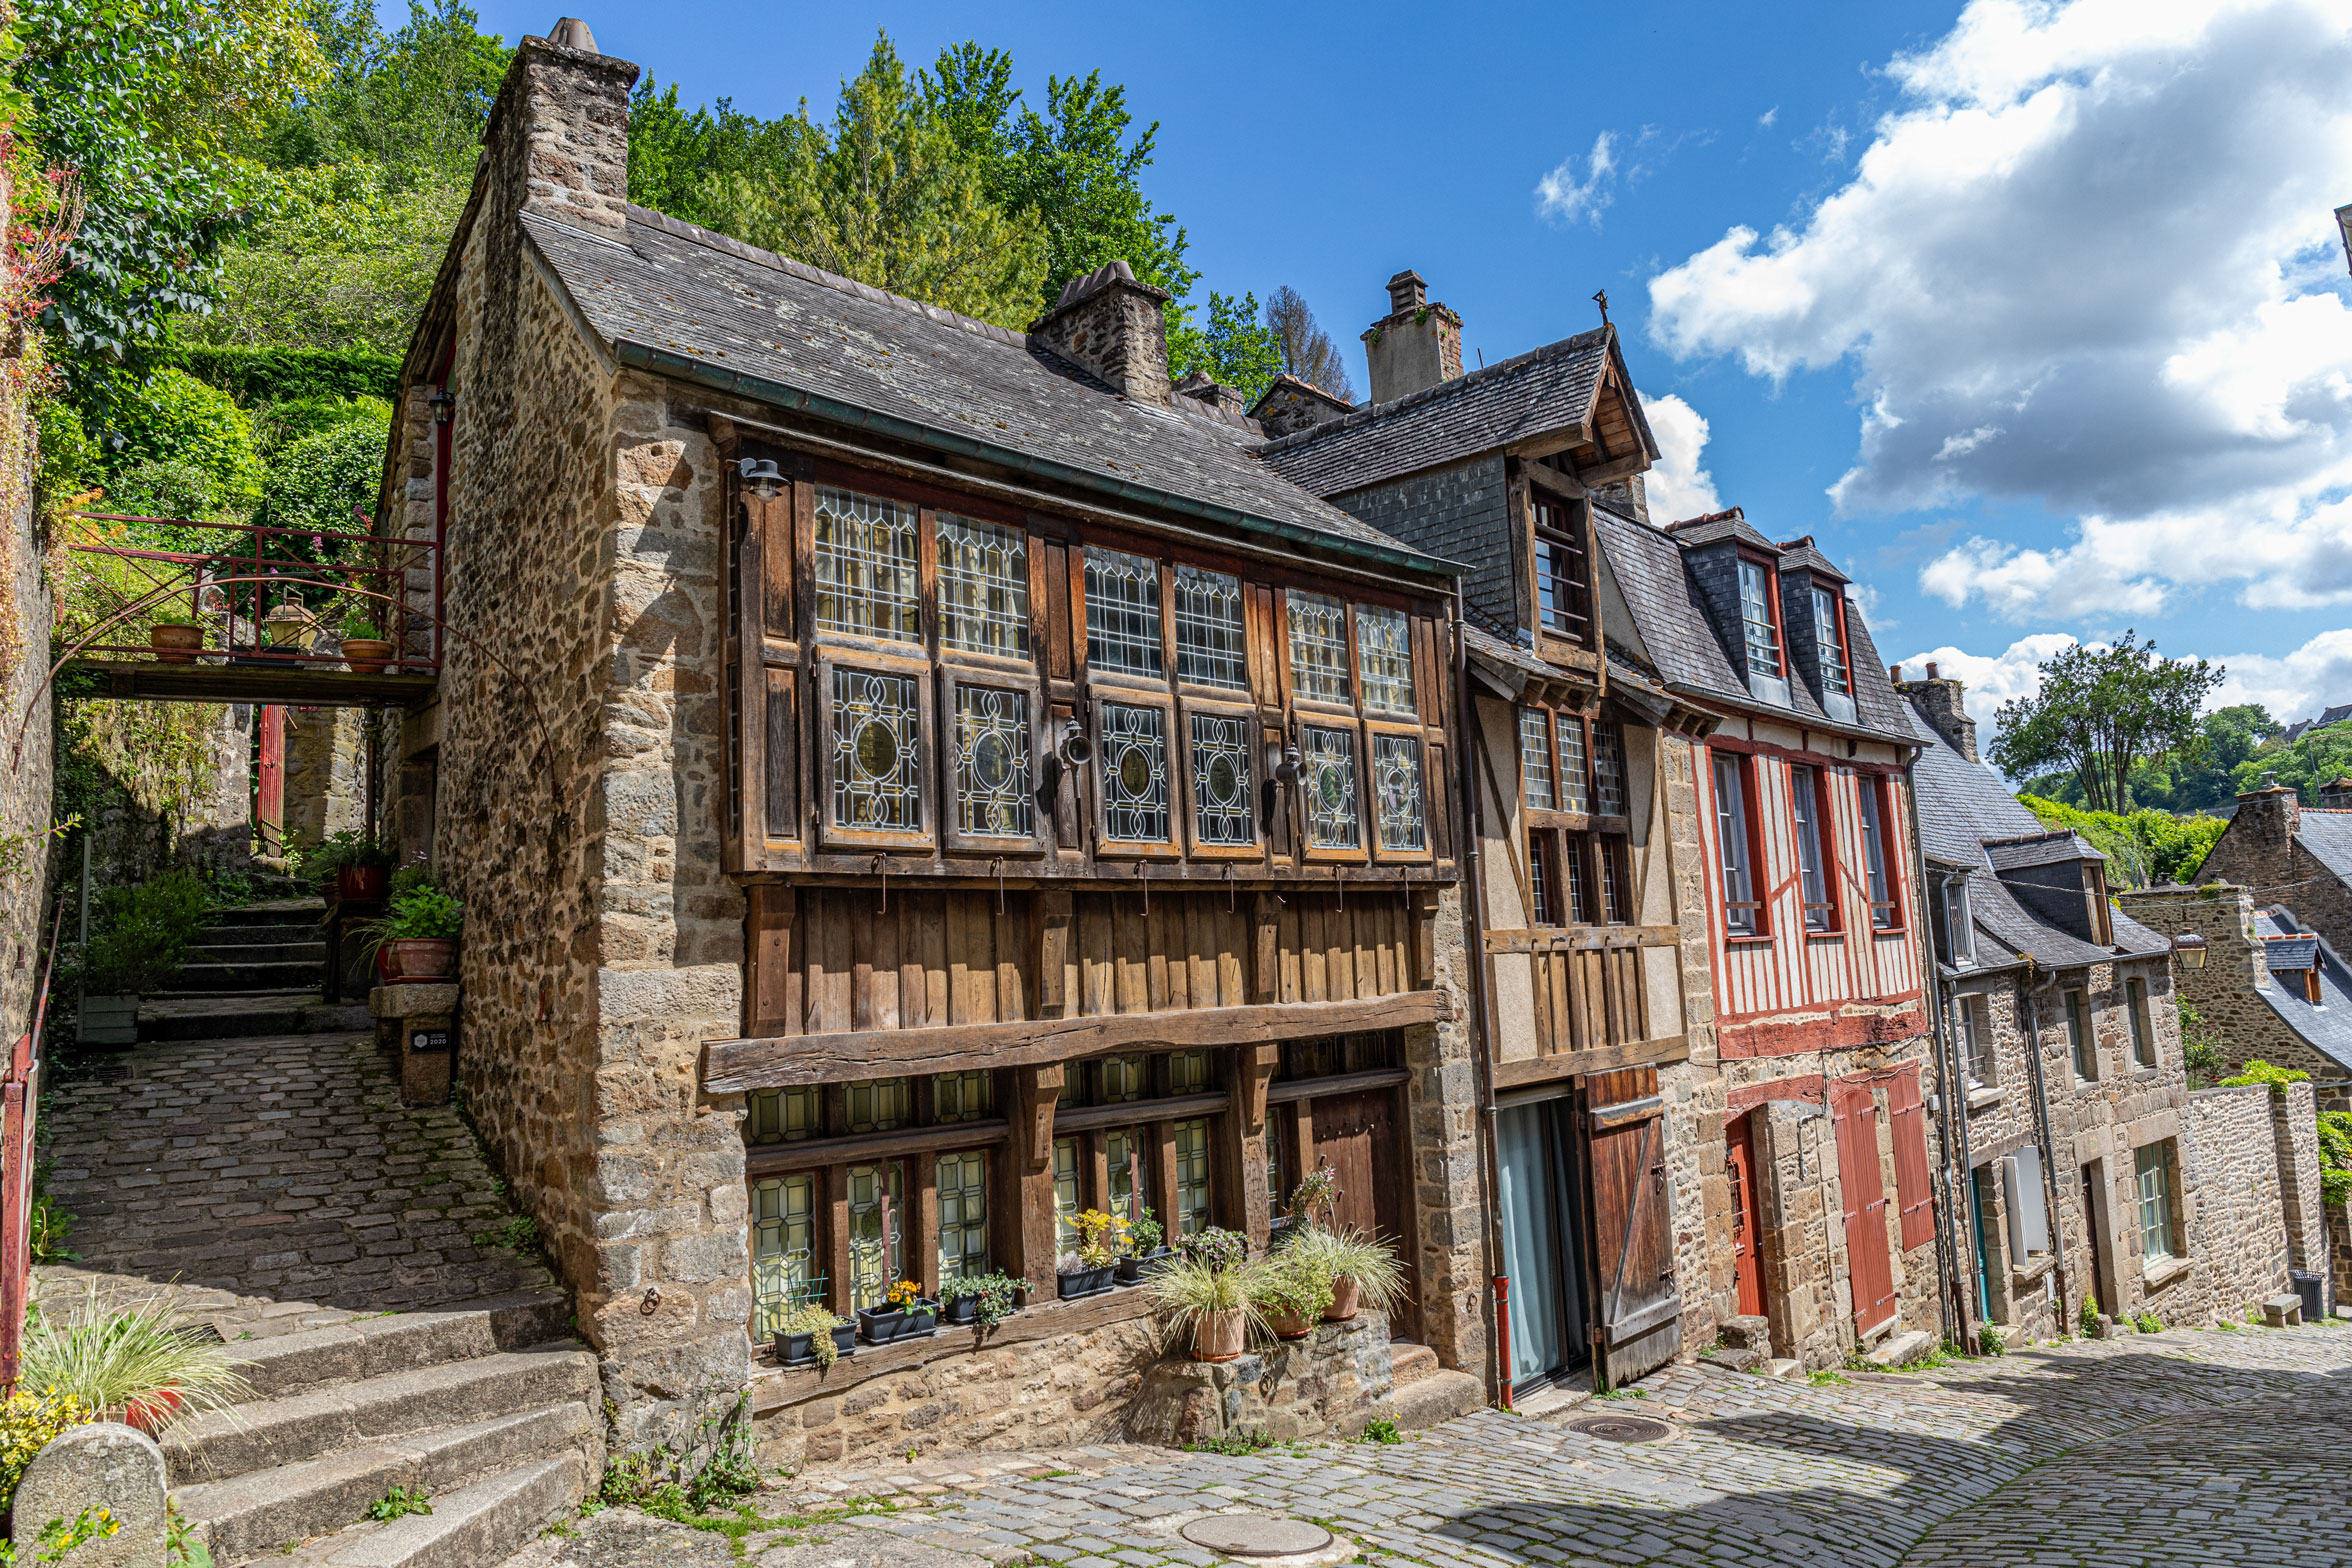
(257, 970)
(1424, 1392)
(485, 1406)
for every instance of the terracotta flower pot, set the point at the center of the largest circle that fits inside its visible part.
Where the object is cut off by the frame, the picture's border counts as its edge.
(366, 655)
(361, 884)
(175, 642)
(1344, 1300)
(154, 1412)
(1218, 1336)
(419, 958)
(1286, 1326)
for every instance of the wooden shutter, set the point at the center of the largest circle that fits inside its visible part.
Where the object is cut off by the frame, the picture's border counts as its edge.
(763, 708)
(1638, 1311)
(1870, 1272)
(1914, 1190)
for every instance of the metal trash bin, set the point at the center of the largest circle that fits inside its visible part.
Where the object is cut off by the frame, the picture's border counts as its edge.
(2309, 1286)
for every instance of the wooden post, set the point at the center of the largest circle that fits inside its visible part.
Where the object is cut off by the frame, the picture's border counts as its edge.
(922, 1227)
(1266, 949)
(837, 1233)
(1029, 1165)
(1241, 1144)
(1163, 1136)
(1424, 937)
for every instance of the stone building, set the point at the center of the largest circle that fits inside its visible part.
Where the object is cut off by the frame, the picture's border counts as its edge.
(1576, 775)
(910, 781)
(2082, 1167)
(2285, 853)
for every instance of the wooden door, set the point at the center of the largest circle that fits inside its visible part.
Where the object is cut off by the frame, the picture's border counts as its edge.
(1354, 1135)
(1747, 1218)
(1638, 1311)
(269, 810)
(1870, 1271)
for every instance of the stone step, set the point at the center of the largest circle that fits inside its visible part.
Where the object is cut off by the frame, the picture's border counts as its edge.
(1899, 1348)
(1786, 1368)
(1410, 1363)
(269, 1511)
(276, 911)
(1437, 1399)
(483, 1524)
(268, 1433)
(352, 1352)
(247, 977)
(1752, 1331)
(233, 1016)
(296, 949)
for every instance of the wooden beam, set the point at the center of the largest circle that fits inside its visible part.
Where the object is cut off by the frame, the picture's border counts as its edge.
(844, 1055)
(1582, 939)
(772, 1159)
(1179, 1108)
(1337, 1083)
(1615, 468)
(147, 681)
(1600, 1059)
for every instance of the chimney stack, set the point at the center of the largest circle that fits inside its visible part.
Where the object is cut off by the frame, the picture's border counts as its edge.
(558, 141)
(1938, 702)
(2271, 815)
(1110, 325)
(1415, 346)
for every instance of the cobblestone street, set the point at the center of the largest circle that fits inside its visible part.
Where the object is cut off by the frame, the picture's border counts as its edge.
(2179, 1448)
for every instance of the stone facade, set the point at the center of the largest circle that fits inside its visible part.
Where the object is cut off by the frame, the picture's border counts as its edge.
(2237, 1218)
(1329, 1384)
(1446, 1181)
(2227, 990)
(2261, 851)
(326, 773)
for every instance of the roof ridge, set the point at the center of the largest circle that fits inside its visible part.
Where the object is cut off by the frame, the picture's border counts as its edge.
(1372, 413)
(679, 228)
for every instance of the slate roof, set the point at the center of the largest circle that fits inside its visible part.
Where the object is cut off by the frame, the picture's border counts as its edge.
(696, 305)
(2326, 1027)
(2041, 848)
(1690, 657)
(1716, 527)
(2290, 953)
(2328, 837)
(1804, 555)
(1544, 389)
(1516, 665)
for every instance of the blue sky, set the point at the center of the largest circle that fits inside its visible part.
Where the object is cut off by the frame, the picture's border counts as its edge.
(2033, 313)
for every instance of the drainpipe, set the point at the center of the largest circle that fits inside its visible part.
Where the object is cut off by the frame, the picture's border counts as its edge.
(1481, 1041)
(1956, 1113)
(2041, 1090)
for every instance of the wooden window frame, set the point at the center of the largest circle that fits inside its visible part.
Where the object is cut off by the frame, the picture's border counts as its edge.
(1816, 784)
(952, 679)
(1368, 815)
(924, 839)
(1177, 754)
(1209, 690)
(1409, 714)
(1771, 570)
(2082, 1032)
(1878, 789)
(1845, 646)
(1546, 719)
(2142, 1020)
(1309, 851)
(1165, 680)
(1548, 535)
(1743, 764)
(1351, 704)
(1233, 706)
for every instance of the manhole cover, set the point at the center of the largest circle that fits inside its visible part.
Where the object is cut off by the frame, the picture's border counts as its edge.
(1622, 1429)
(1256, 1535)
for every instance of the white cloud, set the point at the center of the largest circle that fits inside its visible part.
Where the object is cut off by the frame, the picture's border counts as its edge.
(2295, 686)
(1563, 198)
(2087, 264)
(1767, 118)
(1678, 486)
(1991, 679)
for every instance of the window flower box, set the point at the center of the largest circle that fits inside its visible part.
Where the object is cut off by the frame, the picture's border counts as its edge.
(1135, 1268)
(1086, 1282)
(885, 1325)
(799, 1350)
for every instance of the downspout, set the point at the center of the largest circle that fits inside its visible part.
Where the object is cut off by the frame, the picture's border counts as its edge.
(2033, 1059)
(1482, 1045)
(1931, 986)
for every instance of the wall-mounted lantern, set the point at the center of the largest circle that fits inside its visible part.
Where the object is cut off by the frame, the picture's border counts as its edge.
(2189, 947)
(761, 476)
(443, 403)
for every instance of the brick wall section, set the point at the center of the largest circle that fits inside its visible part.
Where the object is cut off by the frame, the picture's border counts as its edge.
(2237, 1228)
(2259, 852)
(2226, 992)
(1461, 514)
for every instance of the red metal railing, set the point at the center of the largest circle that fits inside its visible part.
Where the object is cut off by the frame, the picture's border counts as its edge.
(20, 1098)
(231, 591)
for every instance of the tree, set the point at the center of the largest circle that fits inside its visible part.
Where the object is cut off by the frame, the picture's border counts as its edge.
(682, 162)
(2203, 777)
(413, 103)
(2099, 711)
(1307, 350)
(2319, 756)
(1236, 347)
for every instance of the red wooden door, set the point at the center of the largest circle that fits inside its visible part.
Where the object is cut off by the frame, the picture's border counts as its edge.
(1870, 1271)
(1638, 1310)
(269, 809)
(1914, 1185)
(1747, 1219)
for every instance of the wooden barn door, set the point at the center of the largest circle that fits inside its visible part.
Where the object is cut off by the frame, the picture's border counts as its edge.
(1353, 1136)
(1869, 1270)
(1638, 1312)
(1747, 1219)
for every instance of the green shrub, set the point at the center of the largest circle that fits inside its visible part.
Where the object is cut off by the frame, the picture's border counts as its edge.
(69, 458)
(29, 1418)
(174, 416)
(143, 934)
(277, 426)
(318, 480)
(2259, 1071)
(2143, 848)
(272, 375)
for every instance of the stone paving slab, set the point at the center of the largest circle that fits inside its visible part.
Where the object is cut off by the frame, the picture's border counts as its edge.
(2192, 1449)
(270, 1184)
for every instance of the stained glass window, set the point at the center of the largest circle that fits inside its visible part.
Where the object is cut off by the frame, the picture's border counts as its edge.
(1575, 769)
(1188, 1072)
(1318, 647)
(877, 1193)
(1065, 1193)
(993, 794)
(962, 1097)
(879, 1104)
(1535, 758)
(1210, 649)
(877, 769)
(783, 1239)
(1396, 789)
(781, 1115)
(983, 586)
(1124, 1078)
(868, 566)
(1222, 812)
(963, 1214)
(1384, 653)
(1330, 779)
(1134, 774)
(1192, 1178)
(1608, 770)
(1122, 613)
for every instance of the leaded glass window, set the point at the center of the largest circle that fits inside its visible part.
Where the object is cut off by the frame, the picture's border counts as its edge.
(877, 1230)
(1384, 655)
(963, 1097)
(1192, 1178)
(1065, 1194)
(1127, 1170)
(1210, 647)
(1188, 1072)
(880, 1104)
(1222, 813)
(1542, 911)
(1608, 770)
(1396, 789)
(983, 586)
(1331, 788)
(877, 769)
(868, 566)
(1535, 758)
(1134, 773)
(994, 797)
(782, 1115)
(1318, 647)
(1124, 1078)
(963, 1214)
(783, 1240)
(1580, 905)
(1122, 613)
(1575, 768)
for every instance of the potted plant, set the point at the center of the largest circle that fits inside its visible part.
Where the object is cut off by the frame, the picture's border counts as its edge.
(357, 865)
(1314, 1198)
(363, 649)
(808, 1334)
(1365, 1272)
(175, 642)
(904, 1314)
(1292, 1289)
(417, 936)
(143, 1364)
(983, 1300)
(1205, 1290)
(1089, 1268)
(1145, 1253)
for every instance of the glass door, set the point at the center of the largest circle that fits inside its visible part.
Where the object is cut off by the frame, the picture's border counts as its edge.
(1542, 1250)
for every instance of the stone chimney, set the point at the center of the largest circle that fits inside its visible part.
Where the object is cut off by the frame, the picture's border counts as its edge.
(1938, 702)
(1110, 325)
(2267, 819)
(1415, 346)
(558, 141)
(2336, 795)
(1289, 405)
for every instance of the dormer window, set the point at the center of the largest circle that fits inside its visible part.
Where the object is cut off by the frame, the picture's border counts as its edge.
(1829, 633)
(1959, 926)
(1563, 599)
(1761, 630)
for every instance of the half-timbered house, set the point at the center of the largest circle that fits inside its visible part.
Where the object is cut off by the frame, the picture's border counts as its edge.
(912, 780)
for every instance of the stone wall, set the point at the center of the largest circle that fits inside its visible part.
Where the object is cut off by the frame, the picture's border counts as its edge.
(1804, 1242)
(2228, 990)
(24, 700)
(326, 773)
(2261, 851)
(2294, 1133)
(1443, 1101)
(1696, 1157)
(1329, 1384)
(2237, 1228)
(2339, 1236)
